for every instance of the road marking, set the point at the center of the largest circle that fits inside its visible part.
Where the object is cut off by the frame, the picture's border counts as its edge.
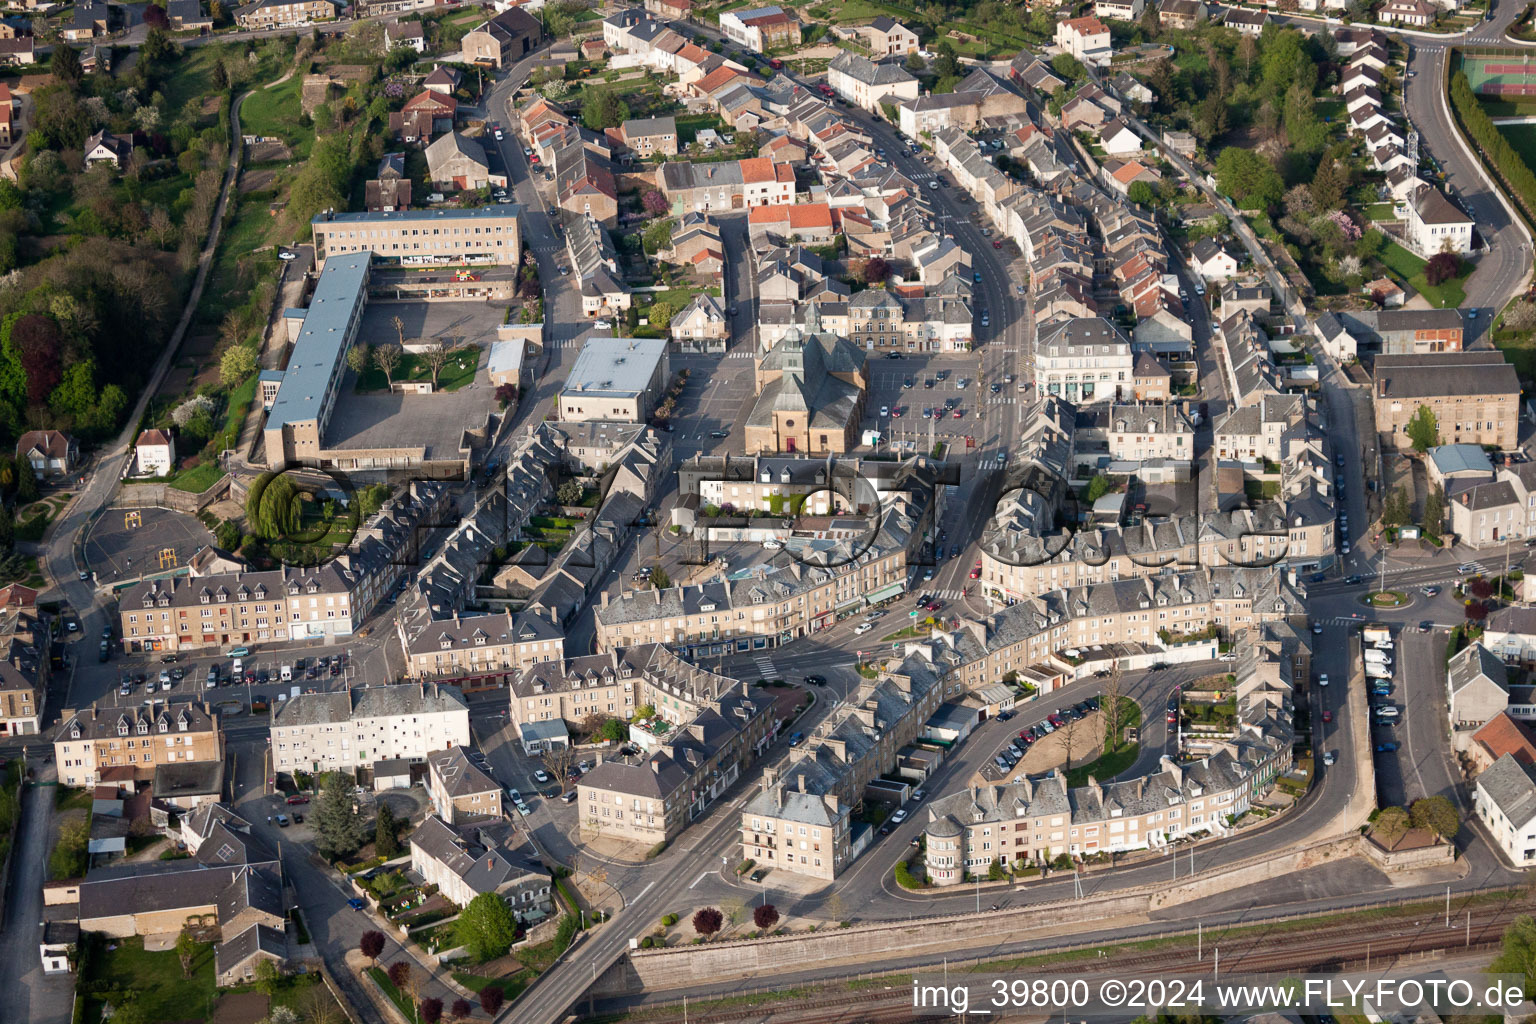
(696, 881)
(647, 888)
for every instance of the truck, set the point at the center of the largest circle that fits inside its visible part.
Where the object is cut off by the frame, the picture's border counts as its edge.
(1371, 634)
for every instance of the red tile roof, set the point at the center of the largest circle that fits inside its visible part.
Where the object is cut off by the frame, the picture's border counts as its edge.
(1503, 735)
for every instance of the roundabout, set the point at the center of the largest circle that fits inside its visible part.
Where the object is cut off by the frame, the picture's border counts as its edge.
(1386, 599)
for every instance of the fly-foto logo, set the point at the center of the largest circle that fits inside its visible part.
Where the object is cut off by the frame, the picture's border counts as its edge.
(1040, 517)
(824, 513)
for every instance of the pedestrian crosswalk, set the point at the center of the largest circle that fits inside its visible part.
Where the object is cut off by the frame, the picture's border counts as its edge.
(765, 666)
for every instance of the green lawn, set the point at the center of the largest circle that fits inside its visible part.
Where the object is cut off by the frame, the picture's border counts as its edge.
(400, 999)
(1380, 211)
(275, 112)
(459, 371)
(197, 479)
(689, 126)
(1515, 107)
(1410, 268)
(1520, 350)
(156, 979)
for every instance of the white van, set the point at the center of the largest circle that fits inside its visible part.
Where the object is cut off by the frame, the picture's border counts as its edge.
(286, 673)
(238, 670)
(1372, 655)
(1377, 671)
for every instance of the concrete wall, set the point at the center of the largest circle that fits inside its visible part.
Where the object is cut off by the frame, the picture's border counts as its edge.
(164, 496)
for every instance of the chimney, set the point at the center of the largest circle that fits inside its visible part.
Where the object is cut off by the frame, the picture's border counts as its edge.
(801, 781)
(655, 766)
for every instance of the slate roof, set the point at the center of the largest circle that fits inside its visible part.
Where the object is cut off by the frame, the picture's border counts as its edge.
(1444, 373)
(256, 938)
(368, 702)
(867, 71)
(475, 855)
(464, 772)
(1511, 787)
(1472, 663)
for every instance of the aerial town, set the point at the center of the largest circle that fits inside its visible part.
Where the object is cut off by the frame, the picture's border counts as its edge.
(558, 511)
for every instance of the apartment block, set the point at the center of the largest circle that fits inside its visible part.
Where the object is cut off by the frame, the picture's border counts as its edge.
(182, 613)
(135, 738)
(477, 651)
(461, 787)
(1475, 397)
(351, 730)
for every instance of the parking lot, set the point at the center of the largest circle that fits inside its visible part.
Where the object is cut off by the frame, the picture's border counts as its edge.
(946, 386)
(1081, 718)
(177, 677)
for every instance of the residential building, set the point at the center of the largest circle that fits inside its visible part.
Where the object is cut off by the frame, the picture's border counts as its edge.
(1415, 13)
(869, 85)
(683, 767)
(406, 33)
(26, 658)
(802, 821)
(461, 787)
(423, 118)
(1247, 22)
(761, 28)
(703, 319)
(1505, 799)
(88, 19)
(1181, 14)
(1477, 686)
(727, 185)
(502, 40)
(879, 321)
(619, 379)
(595, 262)
(458, 163)
(104, 147)
(1120, 10)
(478, 651)
(467, 862)
(1087, 39)
(1137, 432)
(155, 453)
(18, 52)
(135, 738)
(180, 613)
(650, 136)
(1212, 261)
(389, 189)
(1083, 360)
(50, 453)
(351, 730)
(673, 10)
(887, 37)
(267, 14)
(1474, 397)
(1436, 225)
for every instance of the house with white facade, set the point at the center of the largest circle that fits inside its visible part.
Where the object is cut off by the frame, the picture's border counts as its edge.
(155, 453)
(353, 729)
(1436, 225)
(867, 84)
(1505, 800)
(1087, 39)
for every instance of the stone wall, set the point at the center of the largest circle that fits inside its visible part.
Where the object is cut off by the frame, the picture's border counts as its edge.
(165, 496)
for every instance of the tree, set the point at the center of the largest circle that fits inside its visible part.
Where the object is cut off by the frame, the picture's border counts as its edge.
(765, 916)
(400, 974)
(1480, 588)
(385, 843)
(1435, 814)
(654, 203)
(487, 927)
(1434, 511)
(431, 1010)
(360, 357)
(155, 16)
(603, 110)
(338, 828)
(1423, 429)
(1476, 611)
(399, 326)
(161, 227)
(1141, 193)
(570, 493)
(657, 235)
(436, 356)
(268, 974)
(65, 66)
(1519, 955)
(461, 1009)
(1395, 510)
(236, 364)
(1114, 686)
(1098, 486)
(1442, 266)
(659, 579)
(707, 921)
(319, 1007)
(506, 394)
(1248, 178)
(491, 998)
(1521, 316)
(915, 62)
(659, 315)
(371, 945)
(1390, 825)
(387, 358)
(186, 950)
(876, 270)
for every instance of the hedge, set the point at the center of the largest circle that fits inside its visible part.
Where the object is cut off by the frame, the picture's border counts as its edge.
(1501, 157)
(904, 876)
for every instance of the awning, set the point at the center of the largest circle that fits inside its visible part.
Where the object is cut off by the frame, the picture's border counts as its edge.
(852, 602)
(892, 590)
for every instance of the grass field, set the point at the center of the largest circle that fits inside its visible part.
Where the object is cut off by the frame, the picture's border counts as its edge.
(1518, 106)
(1380, 211)
(459, 371)
(1410, 268)
(275, 112)
(157, 981)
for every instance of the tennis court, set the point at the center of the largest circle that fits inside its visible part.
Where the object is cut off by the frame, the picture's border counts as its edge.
(1504, 74)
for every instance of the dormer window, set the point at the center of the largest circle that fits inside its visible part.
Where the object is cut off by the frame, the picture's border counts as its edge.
(122, 728)
(74, 733)
(204, 597)
(165, 726)
(142, 728)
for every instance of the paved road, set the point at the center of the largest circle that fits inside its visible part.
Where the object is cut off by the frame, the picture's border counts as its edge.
(33, 996)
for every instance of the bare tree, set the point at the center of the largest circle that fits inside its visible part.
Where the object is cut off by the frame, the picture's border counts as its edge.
(319, 1007)
(399, 329)
(387, 359)
(1114, 686)
(1068, 732)
(559, 760)
(161, 228)
(436, 356)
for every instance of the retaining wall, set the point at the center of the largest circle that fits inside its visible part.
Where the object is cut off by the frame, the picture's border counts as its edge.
(165, 496)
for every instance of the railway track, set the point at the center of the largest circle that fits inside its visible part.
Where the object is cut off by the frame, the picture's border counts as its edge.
(1374, 942)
